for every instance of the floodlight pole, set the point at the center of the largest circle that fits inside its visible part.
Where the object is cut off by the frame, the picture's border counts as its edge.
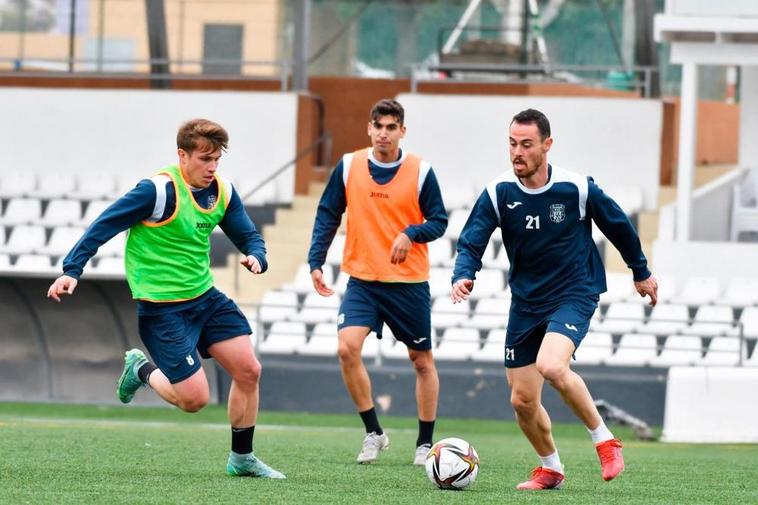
(71, 35)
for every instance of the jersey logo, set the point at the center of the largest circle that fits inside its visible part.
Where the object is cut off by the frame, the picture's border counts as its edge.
(510, 354)
(419, 340)
(557, 212)
(570, 327)
(512, 205)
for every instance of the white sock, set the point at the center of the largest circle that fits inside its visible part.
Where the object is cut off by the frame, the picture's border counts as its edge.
(553, 462)
(601, 433)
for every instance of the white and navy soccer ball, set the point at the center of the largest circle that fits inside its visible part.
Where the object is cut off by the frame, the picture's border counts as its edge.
(452, 463)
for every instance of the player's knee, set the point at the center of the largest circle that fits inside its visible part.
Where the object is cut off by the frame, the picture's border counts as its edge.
(348, 352)
(525, 406)
(423, 363)
(554, 372)
(194, 404)
(250, 373)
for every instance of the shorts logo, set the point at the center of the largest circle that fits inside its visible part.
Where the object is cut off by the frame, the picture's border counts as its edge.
(570, 327)
(510, 354)
(341, 319)
(190, 361)
(557, 212)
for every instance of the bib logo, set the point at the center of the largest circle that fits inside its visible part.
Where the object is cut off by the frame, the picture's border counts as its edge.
(557, 212)
(377, 194)
(203, 226)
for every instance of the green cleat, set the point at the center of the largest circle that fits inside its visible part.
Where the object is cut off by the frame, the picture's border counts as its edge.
(129, 382)
(250, 466)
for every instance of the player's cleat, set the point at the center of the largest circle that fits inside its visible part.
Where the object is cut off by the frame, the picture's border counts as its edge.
(372, 444)
(129, 382)
(543, 478)
(250, 466)
(419, 458)
(611, 459)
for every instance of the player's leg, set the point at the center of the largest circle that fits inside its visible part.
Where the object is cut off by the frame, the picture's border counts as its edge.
(427, 395)
(526, 398)
(237, 357)
(567, 327)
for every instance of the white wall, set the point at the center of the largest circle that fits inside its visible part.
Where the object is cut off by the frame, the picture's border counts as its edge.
(723, 260)
(616, 140)
(134, 131)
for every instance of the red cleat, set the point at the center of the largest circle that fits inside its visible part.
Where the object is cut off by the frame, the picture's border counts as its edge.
(543, 478)
(611, 459)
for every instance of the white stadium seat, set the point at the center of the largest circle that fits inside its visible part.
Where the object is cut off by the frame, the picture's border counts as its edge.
(489, 313)
(457, 344)
(2, 235)
(303, 283)
(667, 319)
(334, 255)
(62, 240)
(595, 348)
(318, 309)
(722, 351)
(323, 341)
(489, 282)
(446, 314)
(440, 252)
(741, 292)
(278, 306)
(93, 210)
(680, 350)
(498, 258)
(36, 263)
(22, 211)
(5, 262)
(455, 221)
(55, 185)
(712, 321)
(285, 337)
(620, 287)
(698, 291)
(635, 350)
(62, 213)
(749, 320)
(25, 239)
(439, 281)
(111, 265)
(340, 284)
(93, 186)
(621, 317)
(17, 184)
(114, 247)
(493, 349)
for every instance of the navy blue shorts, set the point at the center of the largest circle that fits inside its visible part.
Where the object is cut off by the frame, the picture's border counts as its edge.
(175, 337)
(405, 307)
(527, 327)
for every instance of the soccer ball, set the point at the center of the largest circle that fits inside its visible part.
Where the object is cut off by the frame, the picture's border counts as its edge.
(452, 463)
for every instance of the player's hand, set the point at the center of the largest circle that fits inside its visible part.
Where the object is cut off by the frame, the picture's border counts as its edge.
(251, 263)
(461, 290)
(63, 285)
(317, 276)
(400, 248)
(648, 287)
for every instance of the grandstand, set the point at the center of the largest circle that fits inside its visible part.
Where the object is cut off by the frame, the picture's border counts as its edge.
(61, 172)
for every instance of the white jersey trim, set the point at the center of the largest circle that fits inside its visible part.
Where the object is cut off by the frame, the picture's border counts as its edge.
(423, 171)
(391, 164)
(492, 189)
(578, 180)
(347, 160)
(159, 181)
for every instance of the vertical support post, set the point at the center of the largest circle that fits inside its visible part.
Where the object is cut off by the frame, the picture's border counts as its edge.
(687, 141)
(300, 49)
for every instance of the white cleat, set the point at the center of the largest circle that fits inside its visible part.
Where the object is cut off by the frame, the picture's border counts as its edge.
(422, 451)
(372, 445)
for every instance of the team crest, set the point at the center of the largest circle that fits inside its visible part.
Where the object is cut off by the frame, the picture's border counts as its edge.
(557, 212)
(211, 201)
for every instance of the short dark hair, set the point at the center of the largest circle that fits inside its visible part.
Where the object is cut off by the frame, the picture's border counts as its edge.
(195, 132)
(533, 116)
(388, 107)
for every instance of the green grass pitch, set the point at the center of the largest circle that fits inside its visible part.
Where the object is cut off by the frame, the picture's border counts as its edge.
(61, 454)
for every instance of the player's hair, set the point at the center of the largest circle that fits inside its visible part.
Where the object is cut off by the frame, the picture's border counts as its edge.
(202, 133)
(388, 107)
(533, 116)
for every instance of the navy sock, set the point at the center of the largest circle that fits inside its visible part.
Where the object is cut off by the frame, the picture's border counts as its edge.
(242, 440)
(425, 432)
(144, 372)
(370, 421)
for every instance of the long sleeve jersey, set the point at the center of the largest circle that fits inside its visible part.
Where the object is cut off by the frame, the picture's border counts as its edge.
(547, 233)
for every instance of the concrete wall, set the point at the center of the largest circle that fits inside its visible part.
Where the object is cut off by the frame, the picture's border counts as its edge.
(748, 147)
(616, 140)
(134, 131)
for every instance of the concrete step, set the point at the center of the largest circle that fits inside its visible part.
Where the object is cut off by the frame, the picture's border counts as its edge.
(297, 218)
(647, 226)
(305, 202)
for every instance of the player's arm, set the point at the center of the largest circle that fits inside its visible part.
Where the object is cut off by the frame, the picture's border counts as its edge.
(328, 218)
(472, 243)
(435, 219)
(135, 206)
(615, 225)
(241, 230)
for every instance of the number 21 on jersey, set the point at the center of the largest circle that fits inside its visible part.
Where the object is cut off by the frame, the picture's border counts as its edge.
(532, 222)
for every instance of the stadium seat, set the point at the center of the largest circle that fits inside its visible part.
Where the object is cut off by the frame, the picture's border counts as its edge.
(493, 349)
(17, 184)
(440, 252)
(284, 337)
(278, 306)
(334, 255)
(680, 350)
(2, 235)
(439, 282)
(125, 182)
(35, 263)
(340, 284)
(489, 282)
(5, 262)
(446, 314)
(722, 351)
(667, 319)
(498, 258)
(741, 292)
(302, 282)
(698, 291)
(62, 240)
(111, 265)
(93, 186)
(667, 289)
(459, 195)
(490, 313)
(323, 341)
(372, 345)
(114, 247)
(621, 317)
(712, 321)
(455, 221)
(93, 210)
(457, 344)
(744, 216)
(55, 185)
(318, 309)
(635, 350)
(749, 321)
(22, 211)
(24, 239)
(595, 349)
(620, 288)
(62, 213)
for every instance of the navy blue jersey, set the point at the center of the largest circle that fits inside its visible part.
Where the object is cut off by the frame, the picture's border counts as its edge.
(547, 233)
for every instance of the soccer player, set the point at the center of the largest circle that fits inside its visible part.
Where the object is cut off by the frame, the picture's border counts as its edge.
(394, 207)
(545, 216)
(170, 218)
